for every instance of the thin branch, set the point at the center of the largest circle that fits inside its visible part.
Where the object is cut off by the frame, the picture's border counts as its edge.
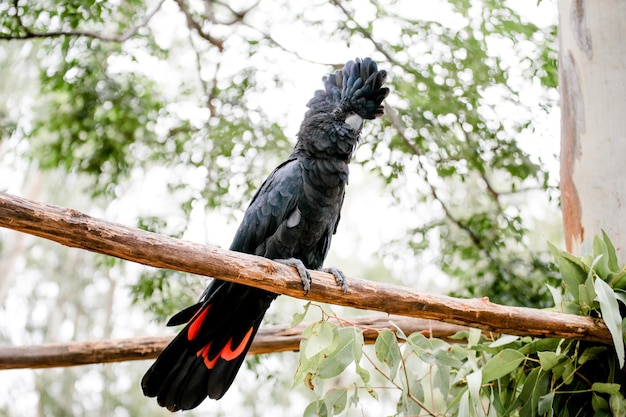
(397, 124)
(209, 91)
(268, 339)
(274, 42)
(367, 34)
(75, 229)
(238, 16)
(29, 34)
(196, 27)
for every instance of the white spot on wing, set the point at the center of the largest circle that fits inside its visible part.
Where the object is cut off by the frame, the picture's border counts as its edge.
(294, 218)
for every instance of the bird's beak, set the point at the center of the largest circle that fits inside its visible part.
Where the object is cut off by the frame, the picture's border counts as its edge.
(355, 122)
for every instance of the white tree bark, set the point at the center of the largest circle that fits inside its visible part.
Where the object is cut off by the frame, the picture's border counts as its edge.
(592, 77)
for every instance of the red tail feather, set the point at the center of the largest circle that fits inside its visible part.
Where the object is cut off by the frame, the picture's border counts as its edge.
(196, 322)
(227, 353)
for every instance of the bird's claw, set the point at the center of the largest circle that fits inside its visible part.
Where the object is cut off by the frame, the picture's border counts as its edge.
(305, 277)
(340, 277)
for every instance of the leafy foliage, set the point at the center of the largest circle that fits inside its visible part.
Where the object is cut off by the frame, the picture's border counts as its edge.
(477, 376)
(454, 144)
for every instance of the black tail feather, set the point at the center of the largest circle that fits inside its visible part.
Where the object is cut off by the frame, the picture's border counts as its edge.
(203, 359)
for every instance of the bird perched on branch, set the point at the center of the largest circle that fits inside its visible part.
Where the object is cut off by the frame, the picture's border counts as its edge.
(291, 219)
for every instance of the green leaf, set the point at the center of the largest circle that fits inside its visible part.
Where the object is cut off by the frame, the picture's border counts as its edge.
(587, 296)
(549, 360)
(387, 351)
(341, 353)
(503, 340)
(298, 317)
(501, 364)
(568, 371)
(473, 384)
(363, 373)
(464, 408)
(336, 400)
(316, 409)
(591, 353)
(535, 387)
(617, 404)
(601, 257)
(600, 405)
(605, 387)
(610, 250)
(545, 403)
(573, 270)
(619, 280)
(611, 316)
(319, 337)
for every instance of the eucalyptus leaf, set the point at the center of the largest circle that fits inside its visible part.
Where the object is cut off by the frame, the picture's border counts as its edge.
(336, 400)
(600, 405)
(320, 336)
(618, 281)
(504, 340)
(298, 317)
(601, 258)
(611, 253)
(549, 360)
(573, 271)
(544, 406)
(473, 384)
(617, 404)
(340, 354)
(535, 387)
(387, 351)
(500, 364)
(605, 387)
(611, 316)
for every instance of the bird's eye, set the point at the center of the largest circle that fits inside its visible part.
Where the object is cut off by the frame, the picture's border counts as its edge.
(337, 112)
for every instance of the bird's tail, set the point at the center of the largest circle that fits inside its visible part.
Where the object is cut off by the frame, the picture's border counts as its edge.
(205, 356)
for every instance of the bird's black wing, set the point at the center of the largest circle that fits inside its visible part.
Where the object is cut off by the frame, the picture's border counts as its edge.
(273, 206)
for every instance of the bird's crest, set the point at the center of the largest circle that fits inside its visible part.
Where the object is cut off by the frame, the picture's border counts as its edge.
(358, 87)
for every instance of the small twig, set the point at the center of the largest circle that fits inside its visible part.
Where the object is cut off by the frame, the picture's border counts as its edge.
(196, 27)
(209, 91)
(398, 386)
(349, 17)
(238, 16)
(397, 124)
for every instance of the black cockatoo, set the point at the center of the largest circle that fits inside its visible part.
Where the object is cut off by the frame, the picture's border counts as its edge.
(292, 218)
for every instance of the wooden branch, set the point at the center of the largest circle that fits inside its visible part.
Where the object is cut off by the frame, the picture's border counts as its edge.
(75, 229)
(268, 339)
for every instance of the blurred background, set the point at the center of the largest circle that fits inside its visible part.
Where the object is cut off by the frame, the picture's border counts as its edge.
(167, 115)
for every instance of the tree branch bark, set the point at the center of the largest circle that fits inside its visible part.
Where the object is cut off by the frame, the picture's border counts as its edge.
(75, 229)
(268, 339)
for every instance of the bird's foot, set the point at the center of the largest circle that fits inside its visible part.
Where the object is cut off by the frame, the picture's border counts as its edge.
(302, 271)
(340, 277)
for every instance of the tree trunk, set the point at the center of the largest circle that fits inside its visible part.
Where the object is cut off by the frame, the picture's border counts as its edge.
(592, 77)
